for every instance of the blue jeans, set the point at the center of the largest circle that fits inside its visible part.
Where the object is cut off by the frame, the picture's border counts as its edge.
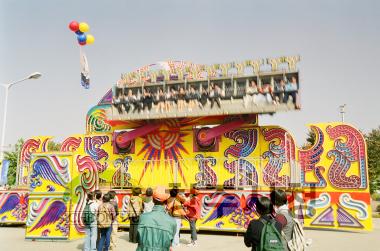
(91, 236)
(176, 236)
(105, 236)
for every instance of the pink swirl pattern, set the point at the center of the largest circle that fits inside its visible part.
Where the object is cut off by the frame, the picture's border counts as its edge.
(92, 146)
(79, 207)
(71, 144)
(344, 154)
(278, 155)
(88, 173)
(30, 146)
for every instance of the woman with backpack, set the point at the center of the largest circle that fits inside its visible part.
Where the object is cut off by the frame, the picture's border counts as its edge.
(291, 228)
(281, 212)
(264, 234)
(135, 208)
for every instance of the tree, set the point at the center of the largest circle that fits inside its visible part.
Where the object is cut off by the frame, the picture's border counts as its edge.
(373, 154)
(53, 146)
(310, 140)
(12, 157)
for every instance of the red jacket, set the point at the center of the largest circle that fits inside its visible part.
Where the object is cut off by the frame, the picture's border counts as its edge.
(193, 208)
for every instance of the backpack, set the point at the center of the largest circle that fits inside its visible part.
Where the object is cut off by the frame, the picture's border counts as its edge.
(298, 242)
(104, 216)
(270, 239)
(88, 217)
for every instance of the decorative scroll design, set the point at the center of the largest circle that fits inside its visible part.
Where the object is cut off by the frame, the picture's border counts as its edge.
(79, 207)
(220, 205)
(246, 212)
(122, 172)
(50, 168)
(180, 70)
(89, 183)
(246, 142)
(345, 153)
(278, 155)
(20, 212)
(206, 176)
(30, 146)
(124, 207)
(309, 158)
(92, 146)
(53, 213)
(35, 210)
(71, 144)
(362, 209)
(247, 174)
(88, 173)
(96, 120)
(322, 201)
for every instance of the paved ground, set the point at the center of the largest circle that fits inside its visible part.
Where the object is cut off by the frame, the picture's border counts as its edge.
(12, 238)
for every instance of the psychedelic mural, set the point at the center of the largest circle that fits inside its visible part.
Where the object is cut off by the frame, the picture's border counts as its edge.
(229, 156)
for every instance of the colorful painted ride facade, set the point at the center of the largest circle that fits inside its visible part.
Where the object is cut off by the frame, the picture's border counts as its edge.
(327, 183)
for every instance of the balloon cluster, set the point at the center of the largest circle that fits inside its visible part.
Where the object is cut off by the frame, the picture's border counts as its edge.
(80, 29)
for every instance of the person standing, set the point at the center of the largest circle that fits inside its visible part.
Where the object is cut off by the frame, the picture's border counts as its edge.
(176, 210)
(193, 214)
(106, 215)
(156, 229)
(135, 207)
(148, 200)
(98, 199)
(264, 233)
(89, 220)
(114, 223)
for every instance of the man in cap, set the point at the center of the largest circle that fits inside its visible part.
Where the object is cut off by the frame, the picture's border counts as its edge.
(156, 229)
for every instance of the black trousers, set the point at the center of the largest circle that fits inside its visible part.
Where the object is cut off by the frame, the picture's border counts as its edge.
(293, 94)
(215, 100)
(134, 222)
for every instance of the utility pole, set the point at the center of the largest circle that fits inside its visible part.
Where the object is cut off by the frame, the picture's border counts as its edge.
(342, 112)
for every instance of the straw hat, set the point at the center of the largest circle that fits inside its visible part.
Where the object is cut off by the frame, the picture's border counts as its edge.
(160, 194)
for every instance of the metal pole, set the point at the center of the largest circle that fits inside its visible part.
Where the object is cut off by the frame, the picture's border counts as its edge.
(4, 123)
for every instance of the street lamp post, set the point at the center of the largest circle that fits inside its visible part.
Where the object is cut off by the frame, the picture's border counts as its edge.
(34, 75)
(342, 112)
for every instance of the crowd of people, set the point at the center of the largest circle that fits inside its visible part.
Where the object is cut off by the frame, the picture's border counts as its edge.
(155, 218)
(265, 94)
(155, 221)
(124, 100)
(276, 228)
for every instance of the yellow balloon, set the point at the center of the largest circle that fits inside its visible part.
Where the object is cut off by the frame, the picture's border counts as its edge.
(90, 39)
(83, 27)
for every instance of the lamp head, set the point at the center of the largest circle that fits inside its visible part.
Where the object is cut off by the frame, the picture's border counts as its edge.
(35, 75)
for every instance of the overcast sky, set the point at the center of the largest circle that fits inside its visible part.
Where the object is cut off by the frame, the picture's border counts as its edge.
(338, 41)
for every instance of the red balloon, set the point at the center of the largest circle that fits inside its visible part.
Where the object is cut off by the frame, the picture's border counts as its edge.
(82, 43)
(74, 26)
